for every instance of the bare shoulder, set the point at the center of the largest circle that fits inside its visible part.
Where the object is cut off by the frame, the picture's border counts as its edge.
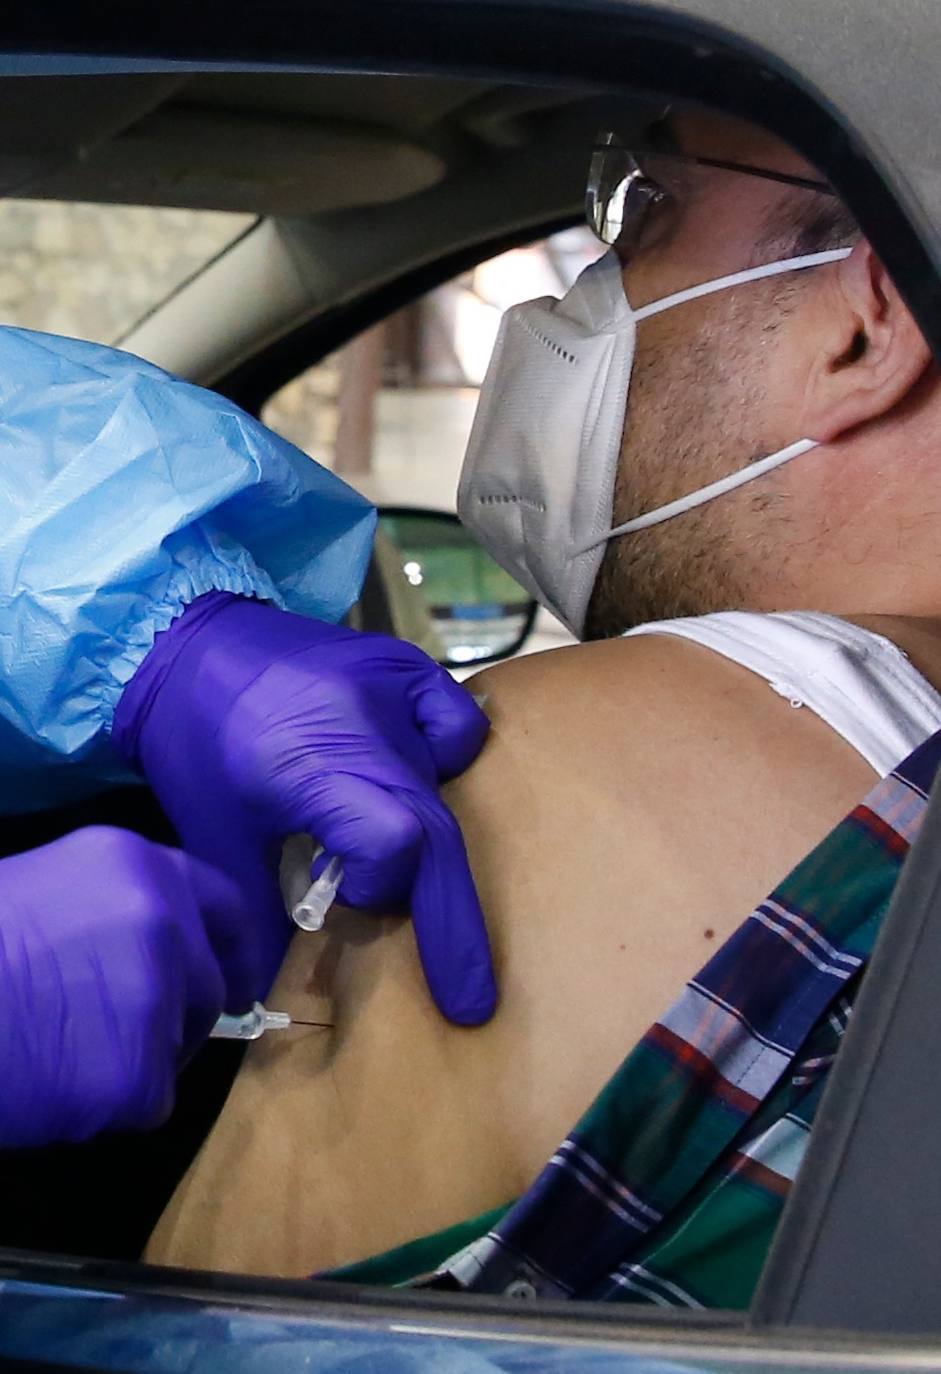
(658, 738)
(624, 688)
(665, 705)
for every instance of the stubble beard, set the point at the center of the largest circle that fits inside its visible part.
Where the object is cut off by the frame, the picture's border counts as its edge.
(688, 424)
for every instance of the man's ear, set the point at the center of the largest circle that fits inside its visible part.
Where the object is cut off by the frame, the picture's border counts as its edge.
(870, 353)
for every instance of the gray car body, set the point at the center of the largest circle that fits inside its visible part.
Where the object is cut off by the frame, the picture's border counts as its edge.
(859, 78)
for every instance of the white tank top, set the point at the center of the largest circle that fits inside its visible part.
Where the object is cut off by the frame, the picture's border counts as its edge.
(860, 683)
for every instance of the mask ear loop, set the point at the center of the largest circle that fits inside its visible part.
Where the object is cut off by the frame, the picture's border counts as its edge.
(747, 474)
(770, 269)
(704, 494)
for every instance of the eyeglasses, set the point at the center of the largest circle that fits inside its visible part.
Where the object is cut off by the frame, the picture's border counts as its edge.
(620, 194)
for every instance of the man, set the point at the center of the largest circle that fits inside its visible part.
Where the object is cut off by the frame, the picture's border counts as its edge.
(638, 797)
(143, 522)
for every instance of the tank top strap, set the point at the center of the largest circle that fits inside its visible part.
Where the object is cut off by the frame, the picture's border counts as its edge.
(859, 682)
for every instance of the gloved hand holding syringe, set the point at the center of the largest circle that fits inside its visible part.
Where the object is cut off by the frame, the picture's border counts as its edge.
(308, 906)
(309, 912)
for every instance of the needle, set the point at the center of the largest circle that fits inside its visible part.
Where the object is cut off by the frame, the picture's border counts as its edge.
(252, 1025)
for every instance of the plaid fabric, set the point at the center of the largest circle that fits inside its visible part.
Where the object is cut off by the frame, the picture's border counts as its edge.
(670, 1187)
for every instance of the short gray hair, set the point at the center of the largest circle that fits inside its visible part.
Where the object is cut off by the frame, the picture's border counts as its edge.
(804, 222)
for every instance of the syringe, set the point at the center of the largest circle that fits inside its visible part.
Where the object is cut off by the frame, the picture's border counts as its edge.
(251, 1025)
(310, 912)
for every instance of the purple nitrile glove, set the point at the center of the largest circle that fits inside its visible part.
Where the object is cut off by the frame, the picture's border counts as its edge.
(112, 958)
(252, 724)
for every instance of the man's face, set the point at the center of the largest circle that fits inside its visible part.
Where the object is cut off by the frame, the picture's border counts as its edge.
(714, 386)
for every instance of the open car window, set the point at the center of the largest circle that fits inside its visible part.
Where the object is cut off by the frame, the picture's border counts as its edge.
(392, 410)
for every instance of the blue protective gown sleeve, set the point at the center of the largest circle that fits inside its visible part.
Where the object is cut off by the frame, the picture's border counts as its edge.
(124, 494)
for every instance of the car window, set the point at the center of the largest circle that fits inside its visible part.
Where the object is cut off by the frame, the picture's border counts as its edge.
(391, 411)
(92, 271)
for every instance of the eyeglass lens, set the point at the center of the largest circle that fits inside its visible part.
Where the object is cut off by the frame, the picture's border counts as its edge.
(618, 195)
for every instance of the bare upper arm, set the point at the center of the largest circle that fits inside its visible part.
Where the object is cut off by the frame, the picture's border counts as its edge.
(636, 799)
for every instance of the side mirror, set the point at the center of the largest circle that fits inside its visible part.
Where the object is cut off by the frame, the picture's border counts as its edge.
(431, 583)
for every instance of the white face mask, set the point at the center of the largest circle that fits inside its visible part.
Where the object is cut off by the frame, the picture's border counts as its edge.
(537, 486)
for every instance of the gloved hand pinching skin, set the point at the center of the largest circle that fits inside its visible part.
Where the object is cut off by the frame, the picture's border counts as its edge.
(252, 724)
(112, 953)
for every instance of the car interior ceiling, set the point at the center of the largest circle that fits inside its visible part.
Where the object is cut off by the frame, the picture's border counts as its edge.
(273, 145)
(357, 181)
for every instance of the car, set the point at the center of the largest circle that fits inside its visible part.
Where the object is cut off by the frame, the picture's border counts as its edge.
(377, 151)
